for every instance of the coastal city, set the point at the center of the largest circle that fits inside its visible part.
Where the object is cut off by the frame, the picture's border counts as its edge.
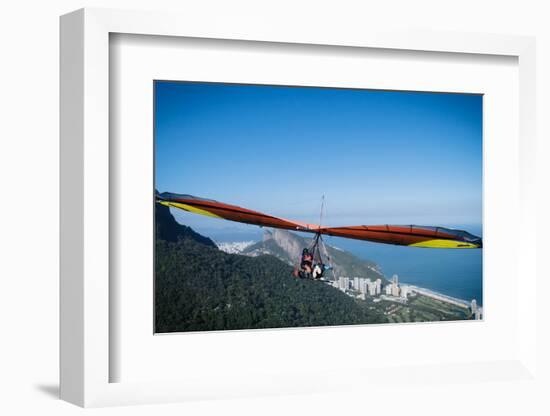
(364, 282)
(363, 288)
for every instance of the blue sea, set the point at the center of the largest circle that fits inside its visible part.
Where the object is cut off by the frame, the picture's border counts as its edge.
(456, 273)
(452, 272)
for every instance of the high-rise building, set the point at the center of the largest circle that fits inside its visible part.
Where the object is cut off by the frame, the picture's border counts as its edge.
(473, 306)
(479, 313)
(395, 285)
(363, 286)
(356, 282)
(344, 283)
(341, 282)
(372, 288)
(404, 291)
(388, 289)
(378, 286)
(395, 290)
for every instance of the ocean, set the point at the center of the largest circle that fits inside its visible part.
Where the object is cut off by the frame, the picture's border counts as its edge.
(452, 272)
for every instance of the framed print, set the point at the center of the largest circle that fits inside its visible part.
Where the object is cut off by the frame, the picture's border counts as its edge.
(291, 198)
(361, 151)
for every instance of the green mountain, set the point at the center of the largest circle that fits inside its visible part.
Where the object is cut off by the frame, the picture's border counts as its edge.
(287, 246)
(168, 229)
(200, 288)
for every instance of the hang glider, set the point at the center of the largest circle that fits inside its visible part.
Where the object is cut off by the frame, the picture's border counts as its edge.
(404, 235)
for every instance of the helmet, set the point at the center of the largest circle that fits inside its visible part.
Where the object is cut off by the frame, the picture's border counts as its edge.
(305, 251)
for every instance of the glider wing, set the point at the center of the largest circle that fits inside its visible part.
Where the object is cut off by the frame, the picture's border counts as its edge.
(217, 209)
(405, 235)
(408, 235)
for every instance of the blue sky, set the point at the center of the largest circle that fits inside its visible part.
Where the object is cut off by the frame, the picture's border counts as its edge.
(377, 156)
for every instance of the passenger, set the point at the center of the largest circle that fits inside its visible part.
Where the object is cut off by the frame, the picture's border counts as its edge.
(318, 271)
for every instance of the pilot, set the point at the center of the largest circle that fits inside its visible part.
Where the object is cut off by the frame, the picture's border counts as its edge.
(306, 263)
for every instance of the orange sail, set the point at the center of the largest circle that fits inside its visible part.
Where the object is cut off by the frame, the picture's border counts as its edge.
(405, 235)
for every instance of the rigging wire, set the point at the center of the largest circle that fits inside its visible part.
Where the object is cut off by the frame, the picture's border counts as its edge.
(322, 208)
(319, 247)
(323, 245)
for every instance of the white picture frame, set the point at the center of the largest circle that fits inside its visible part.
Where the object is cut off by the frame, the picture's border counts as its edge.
(85, 211)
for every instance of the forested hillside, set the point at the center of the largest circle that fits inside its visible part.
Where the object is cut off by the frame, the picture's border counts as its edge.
(200, 288)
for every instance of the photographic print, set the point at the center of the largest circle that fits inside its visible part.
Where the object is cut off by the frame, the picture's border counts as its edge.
(290, 206)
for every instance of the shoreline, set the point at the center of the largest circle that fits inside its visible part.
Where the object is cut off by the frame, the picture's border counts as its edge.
(440, 296)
